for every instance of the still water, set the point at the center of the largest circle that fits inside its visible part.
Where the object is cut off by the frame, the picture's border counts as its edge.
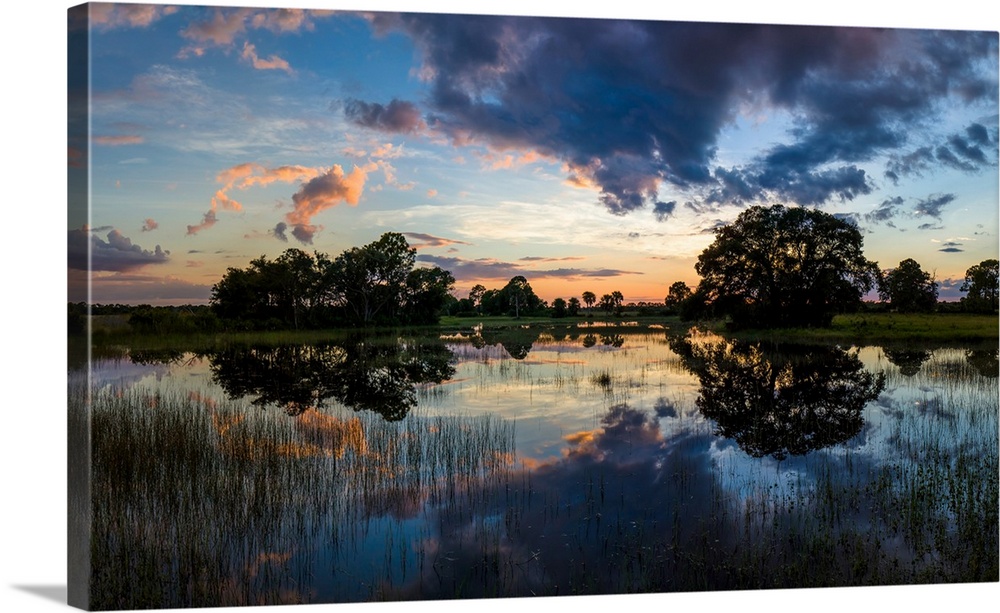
(537, 461)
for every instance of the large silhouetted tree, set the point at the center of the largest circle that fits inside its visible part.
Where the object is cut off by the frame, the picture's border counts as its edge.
(908, 288)
(981, 285)
(784, 266)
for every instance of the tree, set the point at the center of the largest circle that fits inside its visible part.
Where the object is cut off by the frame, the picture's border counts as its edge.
(573, 306)
(782, 267)
(589, 298)
(558, 308)
(678, 293)
(612, 303)
(376, 283)
(427, 292)
(908, 288)
(981, 284)
(372, 278)
(476, 294)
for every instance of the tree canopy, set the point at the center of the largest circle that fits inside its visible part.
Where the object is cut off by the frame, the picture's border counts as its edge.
(908, 288)
(784, 266)
(373, 284)
(981, 285)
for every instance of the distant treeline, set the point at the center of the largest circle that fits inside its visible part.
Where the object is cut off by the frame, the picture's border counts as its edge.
(773, 267)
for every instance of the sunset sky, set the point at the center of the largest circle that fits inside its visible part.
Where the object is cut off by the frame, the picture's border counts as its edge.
(583, 154)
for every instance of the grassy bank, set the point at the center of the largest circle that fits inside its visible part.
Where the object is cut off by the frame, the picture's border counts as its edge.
(855, 329)
(887, 329)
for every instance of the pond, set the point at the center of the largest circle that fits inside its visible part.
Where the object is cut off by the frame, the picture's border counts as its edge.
(535, 461)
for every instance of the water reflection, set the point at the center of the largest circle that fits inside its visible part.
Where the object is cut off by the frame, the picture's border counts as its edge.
(984, 361)
(776, 403)
(372, 374)
(909, 361)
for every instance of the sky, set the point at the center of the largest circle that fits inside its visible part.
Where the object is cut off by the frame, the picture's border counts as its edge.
(586, 154)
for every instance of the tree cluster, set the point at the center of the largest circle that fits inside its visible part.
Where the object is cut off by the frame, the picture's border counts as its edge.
(785, 267)
(515, 299)
(376, 284)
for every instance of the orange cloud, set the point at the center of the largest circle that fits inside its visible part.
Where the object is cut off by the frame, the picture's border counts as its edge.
(328, 190)
(115, 141)
(149, 225)
(207, 221)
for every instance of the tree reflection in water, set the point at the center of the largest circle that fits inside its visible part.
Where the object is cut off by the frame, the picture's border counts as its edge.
(984, 361)
(370, 374)
(909, 361)
(779, 403)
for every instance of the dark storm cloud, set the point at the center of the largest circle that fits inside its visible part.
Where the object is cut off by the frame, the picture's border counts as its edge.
(963, 151)
(951, 250)
(932, 205)
(638, 105)
(117, 253)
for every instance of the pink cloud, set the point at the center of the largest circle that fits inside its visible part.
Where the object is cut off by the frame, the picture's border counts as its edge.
(221, 30)
(272, 63)
(149, 225)
(115, 141)
(109, 16)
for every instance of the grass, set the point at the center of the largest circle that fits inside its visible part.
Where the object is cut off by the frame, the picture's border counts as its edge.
(886, 328)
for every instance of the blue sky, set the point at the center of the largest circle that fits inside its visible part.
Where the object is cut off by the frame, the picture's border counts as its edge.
(584, 154)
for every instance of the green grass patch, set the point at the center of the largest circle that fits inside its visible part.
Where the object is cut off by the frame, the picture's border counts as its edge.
(885, 328)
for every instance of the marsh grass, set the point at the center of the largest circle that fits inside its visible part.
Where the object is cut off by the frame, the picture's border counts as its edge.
(210, 503)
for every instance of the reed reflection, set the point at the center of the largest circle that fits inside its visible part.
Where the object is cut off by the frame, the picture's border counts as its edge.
(779, 403)
(371, 374)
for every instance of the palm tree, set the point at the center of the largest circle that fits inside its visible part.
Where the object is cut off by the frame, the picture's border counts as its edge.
(589, 298)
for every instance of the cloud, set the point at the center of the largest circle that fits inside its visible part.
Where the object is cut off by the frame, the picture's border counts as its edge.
(115, 141)
(149, 225)
(643, 104)
(663, 210)
(107, 16)
(322, 192)
(885, 211)
(227, 25)
(272, 63)
(207, 221)
(535, 258)
(427, 240)
(932, 205)
(244, 176)
(951, 250)
(488, 268)
(133, 288)
(396, 117)
(965, 151)
(279, 232)
(88, 252)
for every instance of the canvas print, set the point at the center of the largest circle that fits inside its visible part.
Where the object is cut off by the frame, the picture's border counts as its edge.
(372, 306)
